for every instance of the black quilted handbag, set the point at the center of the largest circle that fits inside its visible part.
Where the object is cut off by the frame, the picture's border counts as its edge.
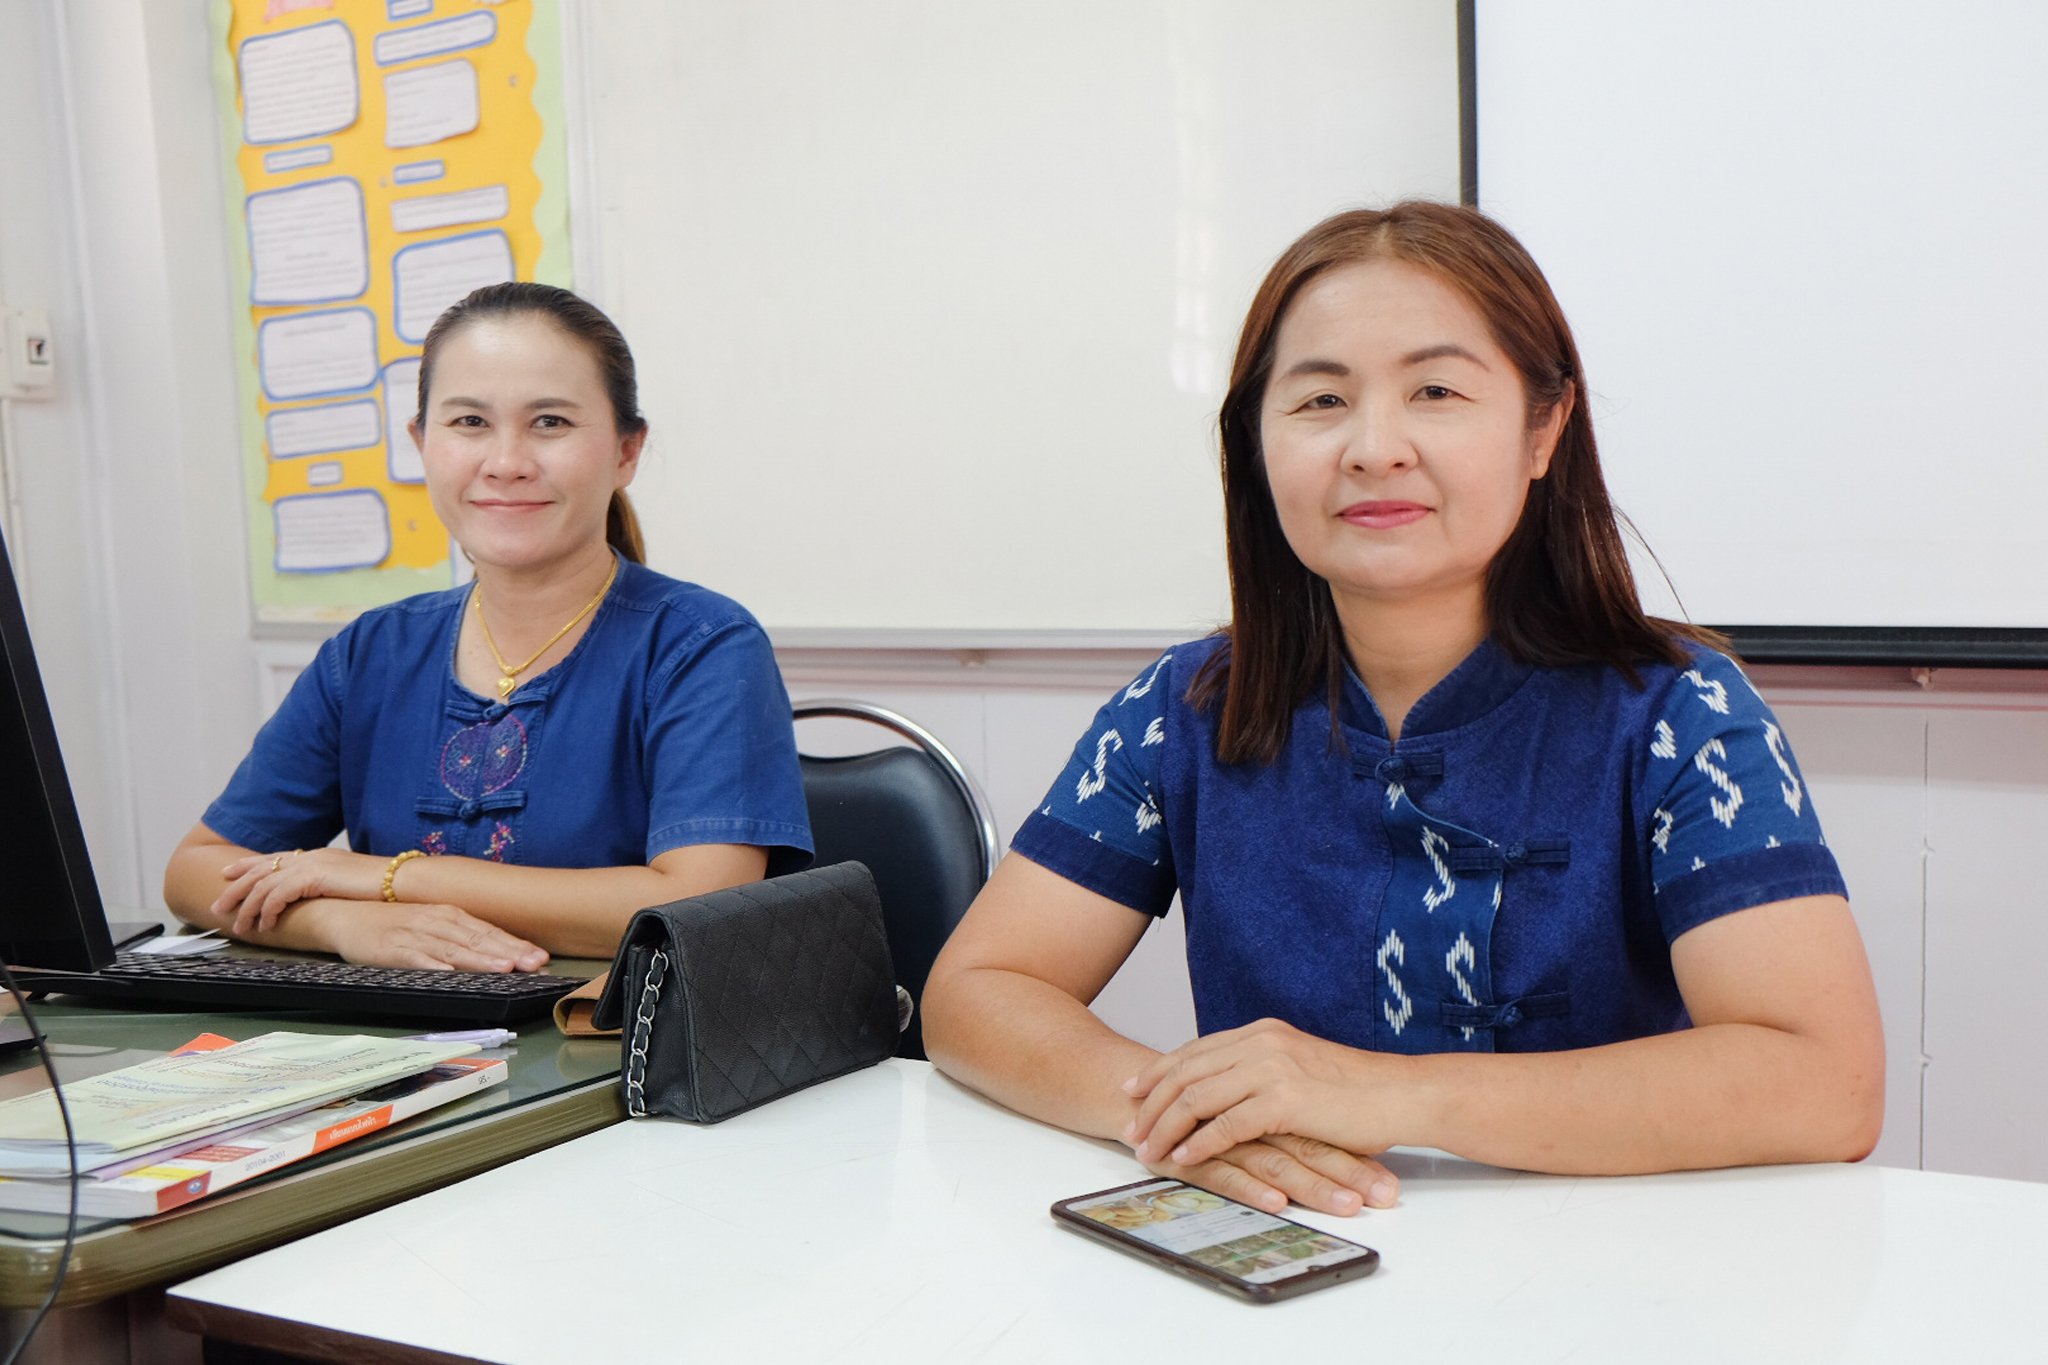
(736, 998)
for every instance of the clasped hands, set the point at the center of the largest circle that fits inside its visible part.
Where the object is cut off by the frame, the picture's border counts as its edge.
(261, 888)
(1264, 1114)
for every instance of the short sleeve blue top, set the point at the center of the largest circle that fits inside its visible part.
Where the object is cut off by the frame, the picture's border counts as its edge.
(667, 725)
(1508, 877)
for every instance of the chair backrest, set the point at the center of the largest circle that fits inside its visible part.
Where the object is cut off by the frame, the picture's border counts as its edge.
(917, 819)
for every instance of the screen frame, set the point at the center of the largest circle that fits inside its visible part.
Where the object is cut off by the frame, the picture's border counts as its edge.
(51, 915)
(1913, 646)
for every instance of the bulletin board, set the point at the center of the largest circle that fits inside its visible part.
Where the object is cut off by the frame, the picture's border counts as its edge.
(384, 158)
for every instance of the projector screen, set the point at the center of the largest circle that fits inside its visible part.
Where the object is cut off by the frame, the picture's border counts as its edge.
(1802, 246)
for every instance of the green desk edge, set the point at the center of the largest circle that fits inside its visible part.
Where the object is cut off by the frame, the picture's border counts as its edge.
(410, 1158)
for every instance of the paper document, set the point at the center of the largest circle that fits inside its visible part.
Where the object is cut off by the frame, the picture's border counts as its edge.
(299, 84)
(160, 1100)
(450, 210)
(429, 103)
(324, 430)
(324, 532)
(308, 244)
(297, 158)
(401, 405)
(309, 355)
(429, 277)
(182, 945)
(431, 40)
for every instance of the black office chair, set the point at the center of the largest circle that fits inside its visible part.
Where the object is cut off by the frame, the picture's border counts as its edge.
(919, 822)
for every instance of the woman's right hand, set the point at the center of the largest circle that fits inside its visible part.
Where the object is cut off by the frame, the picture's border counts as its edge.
(1006, 1011)
(433, 936)
(1279, 1167)
(263, 886)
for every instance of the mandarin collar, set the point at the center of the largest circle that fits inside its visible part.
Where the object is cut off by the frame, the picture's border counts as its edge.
(1482, 680)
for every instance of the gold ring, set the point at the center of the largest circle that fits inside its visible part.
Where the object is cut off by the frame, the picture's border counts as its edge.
(277, 862)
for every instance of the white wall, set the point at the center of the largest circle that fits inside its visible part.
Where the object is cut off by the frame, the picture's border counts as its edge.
(111, 217)
(50, 522)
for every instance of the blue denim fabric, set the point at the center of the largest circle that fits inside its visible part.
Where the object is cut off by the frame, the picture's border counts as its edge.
(667, 725)
(1510, 877)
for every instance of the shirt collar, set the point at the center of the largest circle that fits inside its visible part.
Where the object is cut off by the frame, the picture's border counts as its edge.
(1482, 681)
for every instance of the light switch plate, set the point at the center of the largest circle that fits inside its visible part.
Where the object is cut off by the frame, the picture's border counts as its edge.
(30, 368)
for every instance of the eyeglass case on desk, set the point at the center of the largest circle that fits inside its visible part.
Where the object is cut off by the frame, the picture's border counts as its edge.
(733, 999)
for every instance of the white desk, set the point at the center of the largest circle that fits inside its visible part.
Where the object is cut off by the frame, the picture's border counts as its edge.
(892, 1216)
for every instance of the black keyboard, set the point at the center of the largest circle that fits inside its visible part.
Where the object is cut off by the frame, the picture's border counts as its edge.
(314, 984)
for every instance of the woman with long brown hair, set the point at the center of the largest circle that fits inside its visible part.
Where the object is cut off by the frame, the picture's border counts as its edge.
(522, 763)
(1474, 853)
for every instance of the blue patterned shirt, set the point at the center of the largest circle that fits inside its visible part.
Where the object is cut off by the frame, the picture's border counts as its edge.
(666, 725)
(1509, 876)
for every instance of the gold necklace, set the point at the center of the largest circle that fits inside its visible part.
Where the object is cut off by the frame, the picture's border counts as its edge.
(511, 678)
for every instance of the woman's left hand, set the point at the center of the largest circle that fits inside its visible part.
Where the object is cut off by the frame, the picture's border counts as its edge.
(263, 887)
(1208, 1096)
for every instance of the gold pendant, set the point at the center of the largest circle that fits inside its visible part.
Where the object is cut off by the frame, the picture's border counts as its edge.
(505, 686)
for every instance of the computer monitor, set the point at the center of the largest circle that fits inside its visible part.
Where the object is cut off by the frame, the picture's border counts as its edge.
(50, 911)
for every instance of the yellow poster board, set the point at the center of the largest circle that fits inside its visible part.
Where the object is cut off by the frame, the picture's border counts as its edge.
(385, 157)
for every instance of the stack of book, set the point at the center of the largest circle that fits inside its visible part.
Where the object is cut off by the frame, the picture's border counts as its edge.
(213, 1114)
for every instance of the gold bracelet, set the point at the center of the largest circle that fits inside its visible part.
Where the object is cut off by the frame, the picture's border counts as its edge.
(392, 870)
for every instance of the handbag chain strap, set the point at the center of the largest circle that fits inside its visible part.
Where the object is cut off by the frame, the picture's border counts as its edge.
(643, 1030)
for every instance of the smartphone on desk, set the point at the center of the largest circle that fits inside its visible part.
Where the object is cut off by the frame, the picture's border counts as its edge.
(1243, 1251)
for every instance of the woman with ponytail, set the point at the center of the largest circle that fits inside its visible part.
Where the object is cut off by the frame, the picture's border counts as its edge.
(522, 763)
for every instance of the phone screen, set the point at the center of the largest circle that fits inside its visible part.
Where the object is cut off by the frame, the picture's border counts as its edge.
(1234, 1239)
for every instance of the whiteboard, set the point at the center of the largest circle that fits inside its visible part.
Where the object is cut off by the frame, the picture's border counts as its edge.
(1801, 247)
(934, 300)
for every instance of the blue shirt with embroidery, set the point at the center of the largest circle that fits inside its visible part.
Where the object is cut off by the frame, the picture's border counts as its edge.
(666, 725)
(1510, 876)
